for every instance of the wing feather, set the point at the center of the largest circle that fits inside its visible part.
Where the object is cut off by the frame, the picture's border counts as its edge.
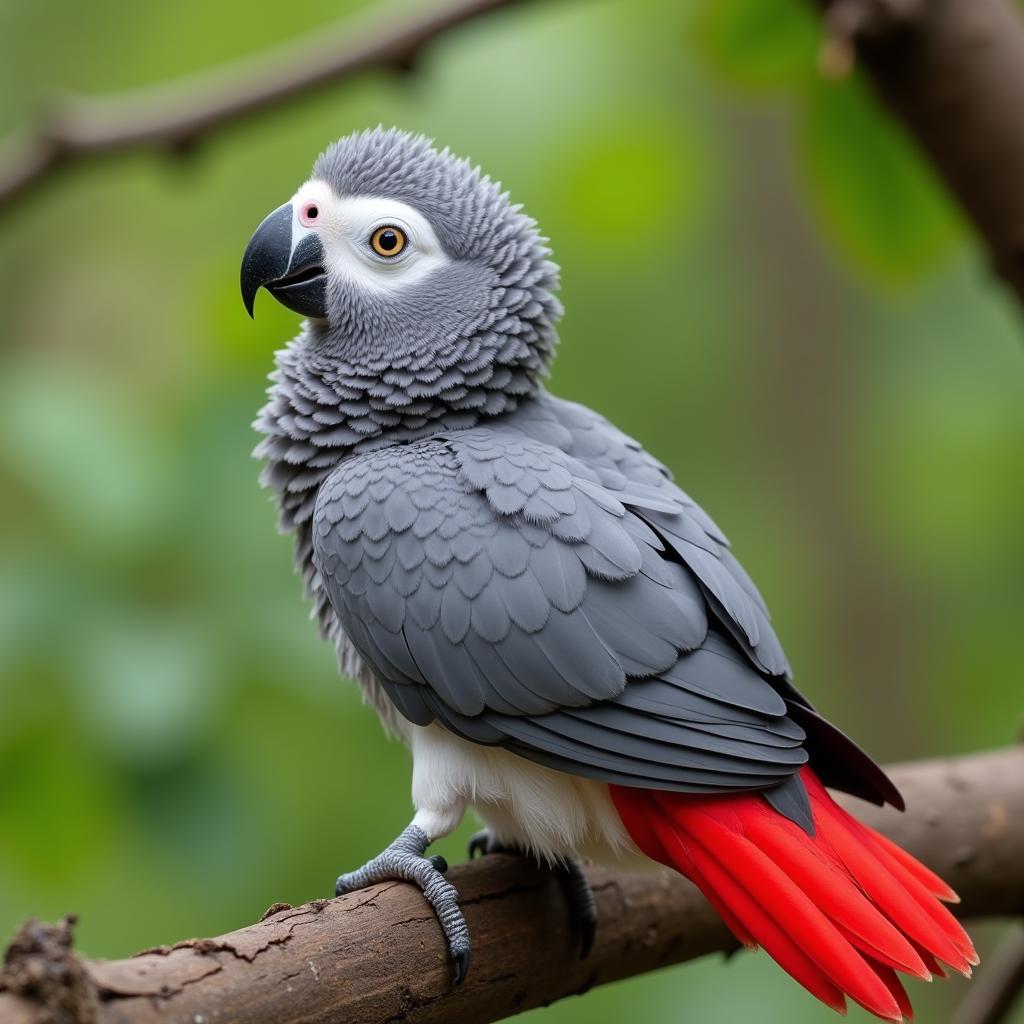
(520, 597)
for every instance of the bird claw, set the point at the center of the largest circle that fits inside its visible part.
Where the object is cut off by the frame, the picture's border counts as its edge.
(404, 860)
(582, 904)
(461, 959)
(479, 844)
(582, 907)
(483, 842)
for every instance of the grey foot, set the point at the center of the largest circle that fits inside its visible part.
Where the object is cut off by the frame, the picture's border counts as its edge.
(582, 906)
(404, 860)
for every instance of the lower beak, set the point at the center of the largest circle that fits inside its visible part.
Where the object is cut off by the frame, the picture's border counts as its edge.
(288, 261)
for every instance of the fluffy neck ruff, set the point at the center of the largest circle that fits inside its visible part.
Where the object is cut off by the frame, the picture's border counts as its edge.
(323, 409)
(444, 361)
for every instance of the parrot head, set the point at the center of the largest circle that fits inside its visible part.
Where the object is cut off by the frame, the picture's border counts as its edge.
(396, 251)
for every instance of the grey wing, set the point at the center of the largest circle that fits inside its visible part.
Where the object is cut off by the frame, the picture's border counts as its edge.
(734, 603)
(496, 585)
(624, 468)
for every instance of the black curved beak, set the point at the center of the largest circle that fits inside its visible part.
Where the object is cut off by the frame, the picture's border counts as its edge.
(290, 268)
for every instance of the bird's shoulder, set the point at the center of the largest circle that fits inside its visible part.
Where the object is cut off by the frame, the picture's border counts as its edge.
(593, 440)
(486, 531)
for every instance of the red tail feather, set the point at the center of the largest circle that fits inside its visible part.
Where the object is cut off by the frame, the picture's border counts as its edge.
(841, 911)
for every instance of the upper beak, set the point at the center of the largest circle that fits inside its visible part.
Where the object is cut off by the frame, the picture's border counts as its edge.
(288, 260)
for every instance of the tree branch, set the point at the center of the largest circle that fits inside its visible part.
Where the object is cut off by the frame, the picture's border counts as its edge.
(378, 955)
(953, 70)
(991, 998)
(174, 117)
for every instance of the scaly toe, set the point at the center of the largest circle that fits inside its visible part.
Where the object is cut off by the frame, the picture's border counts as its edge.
(347, 883)
(404, 860)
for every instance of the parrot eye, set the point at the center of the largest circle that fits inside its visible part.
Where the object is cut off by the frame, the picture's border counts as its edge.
(388, 241)
(309, 214)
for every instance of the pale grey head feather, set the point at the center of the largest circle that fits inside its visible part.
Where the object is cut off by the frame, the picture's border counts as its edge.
(496, 296)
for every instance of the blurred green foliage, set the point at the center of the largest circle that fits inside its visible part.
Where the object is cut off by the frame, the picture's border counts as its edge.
(763, 281)
(872, 190)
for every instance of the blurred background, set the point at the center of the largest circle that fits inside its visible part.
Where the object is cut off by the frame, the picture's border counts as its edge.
(762, 281)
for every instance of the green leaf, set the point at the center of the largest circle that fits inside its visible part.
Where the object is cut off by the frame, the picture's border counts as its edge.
(761, 45)
(871, 188)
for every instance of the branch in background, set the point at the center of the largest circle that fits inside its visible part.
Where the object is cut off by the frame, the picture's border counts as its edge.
(953, 71)
(176, 116)
(998, 987)
(378, 955)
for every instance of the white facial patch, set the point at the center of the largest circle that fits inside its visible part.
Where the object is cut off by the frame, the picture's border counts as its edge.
(346, 226)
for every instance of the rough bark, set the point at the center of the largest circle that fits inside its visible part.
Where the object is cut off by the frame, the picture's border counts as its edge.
(378, 955)
(953, 71)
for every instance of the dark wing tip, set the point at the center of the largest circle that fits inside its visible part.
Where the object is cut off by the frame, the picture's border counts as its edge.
(842, 764)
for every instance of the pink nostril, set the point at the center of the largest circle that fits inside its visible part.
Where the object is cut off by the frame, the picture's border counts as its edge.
(309, 215)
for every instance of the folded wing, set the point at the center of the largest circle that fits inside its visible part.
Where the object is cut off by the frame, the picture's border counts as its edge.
(599, 626)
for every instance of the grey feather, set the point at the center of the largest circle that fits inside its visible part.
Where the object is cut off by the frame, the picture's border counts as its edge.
(790, 799)
(539, 657)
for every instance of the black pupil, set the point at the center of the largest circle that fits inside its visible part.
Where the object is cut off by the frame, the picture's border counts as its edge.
(312, 213)
(387, 240)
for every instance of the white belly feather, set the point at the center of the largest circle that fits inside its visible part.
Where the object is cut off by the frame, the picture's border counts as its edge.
(550, 813)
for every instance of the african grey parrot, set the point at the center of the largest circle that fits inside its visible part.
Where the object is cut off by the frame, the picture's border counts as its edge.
(560, 635)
